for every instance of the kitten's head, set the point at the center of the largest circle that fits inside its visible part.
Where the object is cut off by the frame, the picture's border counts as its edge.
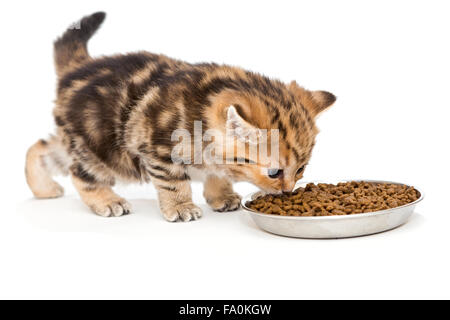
(291, 114)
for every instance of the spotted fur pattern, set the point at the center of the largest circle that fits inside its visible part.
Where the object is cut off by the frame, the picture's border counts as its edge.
(115, 116)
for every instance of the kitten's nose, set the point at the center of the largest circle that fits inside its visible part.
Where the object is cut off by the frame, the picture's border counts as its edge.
(287, 187)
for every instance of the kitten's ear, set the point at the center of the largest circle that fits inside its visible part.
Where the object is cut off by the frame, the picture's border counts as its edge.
(315, 101)
(323, 100)
(241, 129)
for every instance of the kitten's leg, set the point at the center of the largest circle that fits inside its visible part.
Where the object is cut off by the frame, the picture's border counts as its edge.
(219, 194)
(44, 159)
(100, 197)
(174, 195)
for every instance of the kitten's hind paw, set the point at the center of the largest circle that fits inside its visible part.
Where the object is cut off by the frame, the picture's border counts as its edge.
(226, 202)
(182, 212)
(49, 190)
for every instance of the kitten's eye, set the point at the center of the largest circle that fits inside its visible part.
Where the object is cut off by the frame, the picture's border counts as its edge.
(274, 173)
(300, 169)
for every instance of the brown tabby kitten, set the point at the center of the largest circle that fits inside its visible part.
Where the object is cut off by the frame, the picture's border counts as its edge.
(115, 117)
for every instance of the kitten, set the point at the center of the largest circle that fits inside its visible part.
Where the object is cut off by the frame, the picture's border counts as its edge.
(116, 117)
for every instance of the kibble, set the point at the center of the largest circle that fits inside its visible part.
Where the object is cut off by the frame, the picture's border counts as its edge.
(344, 198)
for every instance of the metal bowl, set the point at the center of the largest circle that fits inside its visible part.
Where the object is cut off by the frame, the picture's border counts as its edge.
(332, 227)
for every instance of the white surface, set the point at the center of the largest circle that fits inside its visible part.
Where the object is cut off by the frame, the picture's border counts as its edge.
(388, 63)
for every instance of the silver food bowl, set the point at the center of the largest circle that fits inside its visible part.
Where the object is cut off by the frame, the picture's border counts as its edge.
(331, 227)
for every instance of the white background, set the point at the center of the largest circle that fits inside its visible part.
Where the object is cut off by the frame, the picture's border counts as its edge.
(388, 63)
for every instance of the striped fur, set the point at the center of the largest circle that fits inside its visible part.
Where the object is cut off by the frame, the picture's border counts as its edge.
(115, 116)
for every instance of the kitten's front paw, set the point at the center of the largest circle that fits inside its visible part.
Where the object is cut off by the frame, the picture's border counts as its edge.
(184, 212)
(226, 202)
(111, 207)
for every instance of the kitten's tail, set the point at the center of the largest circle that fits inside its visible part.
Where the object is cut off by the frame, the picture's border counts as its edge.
(71, 48)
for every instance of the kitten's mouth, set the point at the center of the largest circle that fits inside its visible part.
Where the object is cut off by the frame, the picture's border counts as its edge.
(272, 191)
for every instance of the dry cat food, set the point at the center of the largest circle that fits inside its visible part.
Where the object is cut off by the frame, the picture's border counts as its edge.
(344, 198)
